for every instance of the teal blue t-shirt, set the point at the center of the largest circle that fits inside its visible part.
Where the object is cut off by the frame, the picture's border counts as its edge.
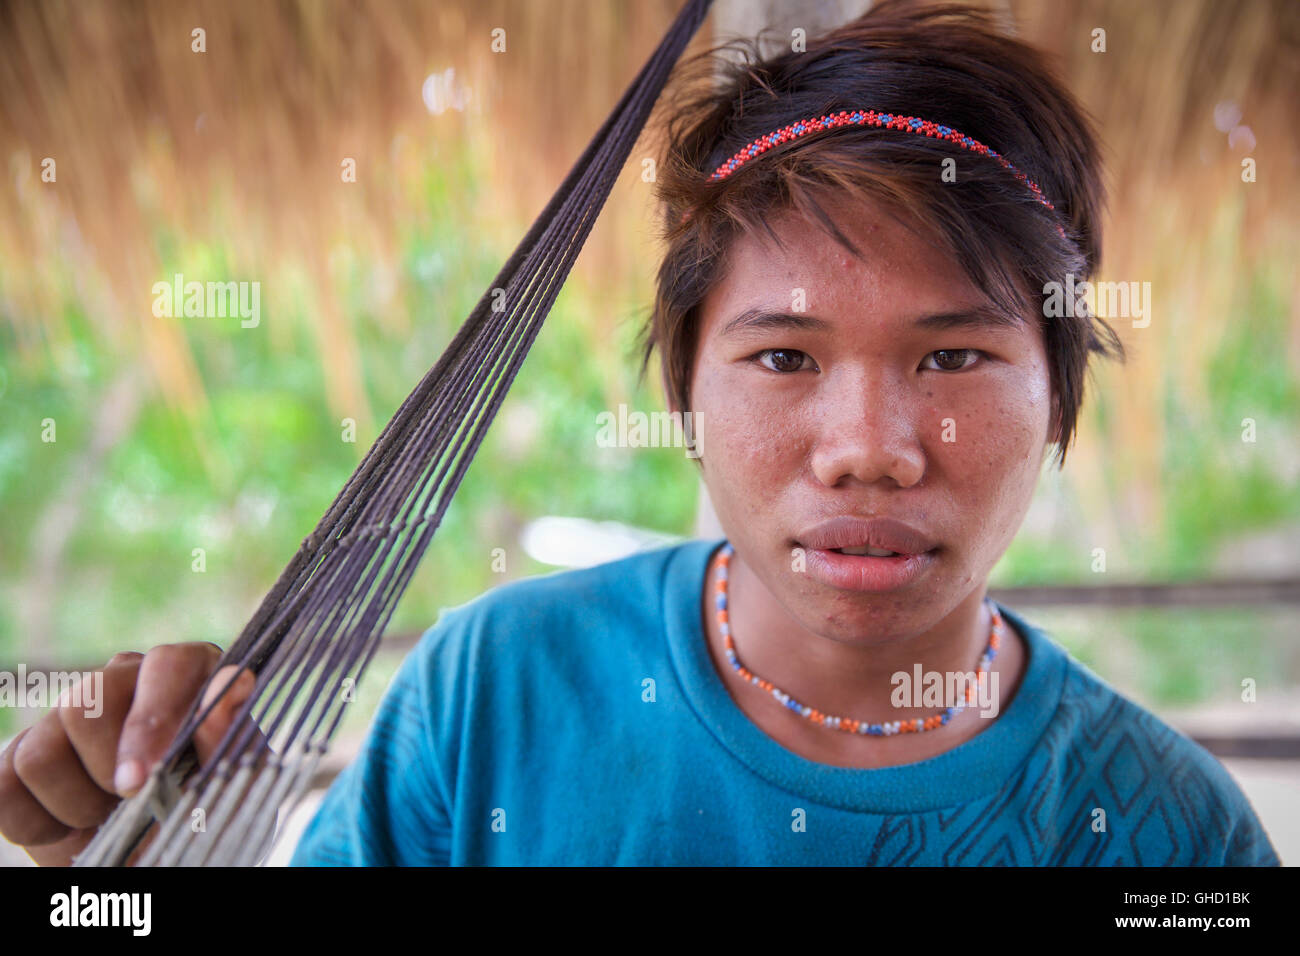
(577, 718)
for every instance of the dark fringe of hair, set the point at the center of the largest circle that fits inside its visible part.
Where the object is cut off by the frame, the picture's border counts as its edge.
(945, 62)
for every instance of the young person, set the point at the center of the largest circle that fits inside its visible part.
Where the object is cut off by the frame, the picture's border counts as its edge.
(850, 302)
(864, 342)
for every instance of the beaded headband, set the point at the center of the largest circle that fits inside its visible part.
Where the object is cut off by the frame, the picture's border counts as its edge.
(907, 124)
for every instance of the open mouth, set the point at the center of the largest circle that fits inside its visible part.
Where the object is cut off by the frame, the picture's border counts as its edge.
(869, 552)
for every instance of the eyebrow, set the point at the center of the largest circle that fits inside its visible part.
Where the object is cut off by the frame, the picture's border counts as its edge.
(767, 320)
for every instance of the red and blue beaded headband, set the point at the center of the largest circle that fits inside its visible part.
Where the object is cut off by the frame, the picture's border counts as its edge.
(907, 124)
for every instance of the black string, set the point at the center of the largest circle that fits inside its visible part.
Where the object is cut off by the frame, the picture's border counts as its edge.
(320, 623)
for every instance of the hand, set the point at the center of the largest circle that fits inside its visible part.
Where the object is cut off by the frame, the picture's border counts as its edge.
(62, 777)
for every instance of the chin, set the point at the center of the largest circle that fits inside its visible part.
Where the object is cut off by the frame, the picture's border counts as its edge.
(870, 619)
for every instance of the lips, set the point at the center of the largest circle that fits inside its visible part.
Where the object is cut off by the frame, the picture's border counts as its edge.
(913, 553)
(887, 534)
(851, 573)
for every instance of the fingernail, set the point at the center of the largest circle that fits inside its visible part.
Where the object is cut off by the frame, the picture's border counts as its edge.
(129, 777)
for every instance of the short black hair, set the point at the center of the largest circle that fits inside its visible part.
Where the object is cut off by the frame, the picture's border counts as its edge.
(948, 63)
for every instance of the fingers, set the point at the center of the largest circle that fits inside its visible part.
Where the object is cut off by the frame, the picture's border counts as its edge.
(95, 737)
(62, 777)
(51, 771)
(61, 852)
(169, 680)
(22, 818)
(57, 775)
(214, 727)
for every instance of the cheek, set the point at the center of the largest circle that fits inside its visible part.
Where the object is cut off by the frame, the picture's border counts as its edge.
(993, 467)
(999, 427)
(751, 441)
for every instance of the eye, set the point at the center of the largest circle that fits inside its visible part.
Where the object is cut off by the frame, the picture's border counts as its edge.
(783, 360)
(954, 360)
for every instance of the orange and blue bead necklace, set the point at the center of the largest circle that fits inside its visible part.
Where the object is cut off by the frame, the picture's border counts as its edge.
(848, 724)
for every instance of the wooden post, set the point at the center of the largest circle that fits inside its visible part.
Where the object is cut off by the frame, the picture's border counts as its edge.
(748, 18)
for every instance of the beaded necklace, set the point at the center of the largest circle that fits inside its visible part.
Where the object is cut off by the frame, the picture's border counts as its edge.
(848, 724)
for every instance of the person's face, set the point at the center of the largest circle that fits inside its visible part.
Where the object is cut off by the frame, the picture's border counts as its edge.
(857, 415)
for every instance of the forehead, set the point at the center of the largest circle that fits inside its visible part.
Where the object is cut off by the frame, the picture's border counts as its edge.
(902, 271)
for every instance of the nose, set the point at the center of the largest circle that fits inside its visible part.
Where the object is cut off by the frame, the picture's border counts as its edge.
(868, 431)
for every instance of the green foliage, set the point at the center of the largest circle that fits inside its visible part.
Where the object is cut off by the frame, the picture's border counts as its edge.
(247, 473)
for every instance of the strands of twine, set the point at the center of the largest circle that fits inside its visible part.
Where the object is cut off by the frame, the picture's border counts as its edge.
(318, 627)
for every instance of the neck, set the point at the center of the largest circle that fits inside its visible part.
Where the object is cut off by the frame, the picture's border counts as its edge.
(848, 678)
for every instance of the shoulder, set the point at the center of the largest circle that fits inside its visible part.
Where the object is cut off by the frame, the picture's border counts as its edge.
(473, 705)
(1175, 803)
(1135, 744)
(575, 618)
(628, 586)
